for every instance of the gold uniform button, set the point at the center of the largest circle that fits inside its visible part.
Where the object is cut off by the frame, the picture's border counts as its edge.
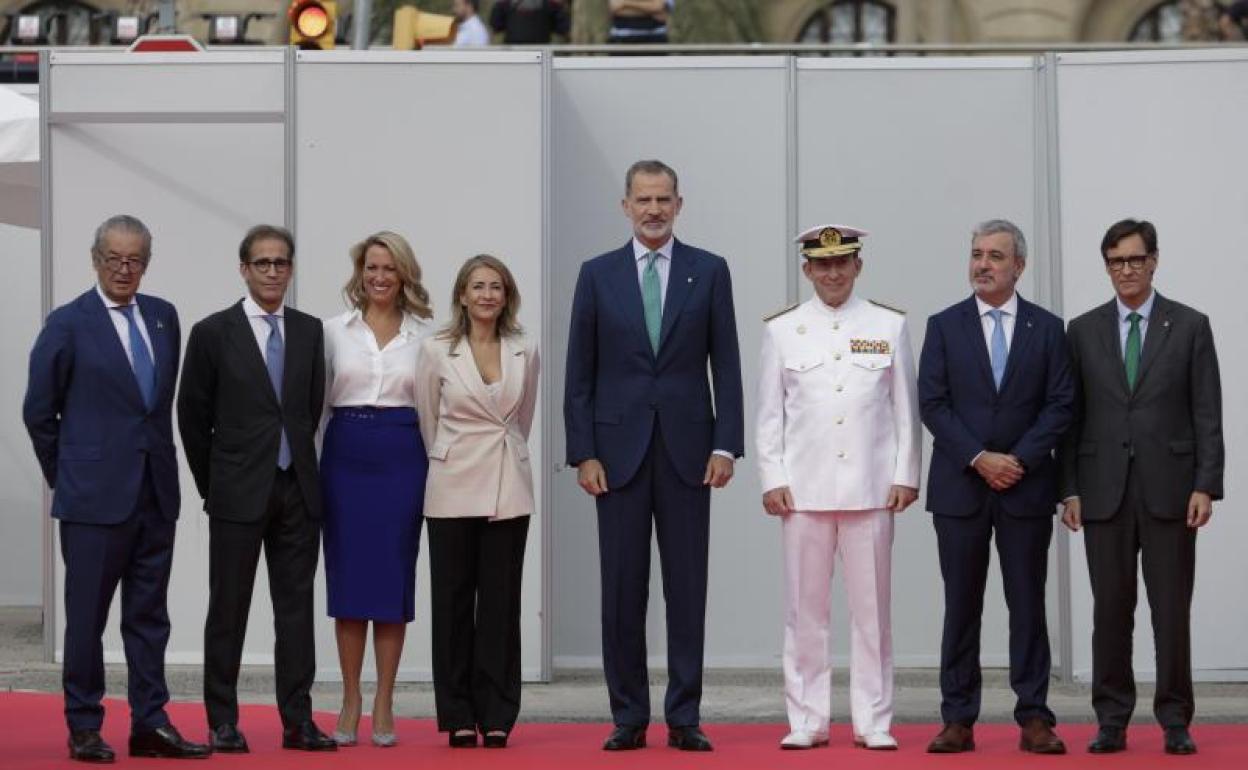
(836, 326)
(839, 388)
(841, 455)
(840, 420)
(837, 357)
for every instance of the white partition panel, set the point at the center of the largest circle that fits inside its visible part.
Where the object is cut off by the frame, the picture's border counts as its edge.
(193, 145)
(1160, 136)
(722, 124)
(446, 149)
(917, 151)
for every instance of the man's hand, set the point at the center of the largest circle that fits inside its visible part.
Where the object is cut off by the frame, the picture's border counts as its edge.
(1072, 514)
(899, 498)
(1199, 509)
(592, 477)
(718, 471)
(778, 501)
(1001, 471)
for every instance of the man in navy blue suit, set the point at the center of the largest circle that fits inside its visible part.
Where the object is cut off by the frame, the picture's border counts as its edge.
(98, 410)
(996, 392)
(649, 443)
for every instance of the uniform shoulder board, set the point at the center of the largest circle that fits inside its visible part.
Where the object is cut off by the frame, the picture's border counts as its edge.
(779, 313)
(887, 307)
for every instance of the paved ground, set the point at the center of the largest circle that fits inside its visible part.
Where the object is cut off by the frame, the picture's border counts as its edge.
(731, 695)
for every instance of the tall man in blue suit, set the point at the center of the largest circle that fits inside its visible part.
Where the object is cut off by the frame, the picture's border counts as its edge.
(98, 410)
(996, 392)
(647, 318)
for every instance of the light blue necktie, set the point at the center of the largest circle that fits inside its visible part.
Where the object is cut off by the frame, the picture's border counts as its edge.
(652, 300)
(275, 360)
(144, 369)
(999, 352)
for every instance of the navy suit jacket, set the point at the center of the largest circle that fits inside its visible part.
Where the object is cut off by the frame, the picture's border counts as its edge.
(86, 416)
(615, 384)
(960, 405)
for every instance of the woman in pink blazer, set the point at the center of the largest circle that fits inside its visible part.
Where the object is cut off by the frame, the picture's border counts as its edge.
(475, 395)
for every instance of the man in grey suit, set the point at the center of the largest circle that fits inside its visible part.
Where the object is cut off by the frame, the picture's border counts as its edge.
(1140, 469)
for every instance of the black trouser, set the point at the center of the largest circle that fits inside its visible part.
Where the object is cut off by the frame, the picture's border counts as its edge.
(291, 543)
(1166, 550)
(1023, 552)
(475, 567)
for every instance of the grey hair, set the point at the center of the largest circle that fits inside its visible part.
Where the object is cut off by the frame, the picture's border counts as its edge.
(654, 167)
(121, 223)
(994, 226)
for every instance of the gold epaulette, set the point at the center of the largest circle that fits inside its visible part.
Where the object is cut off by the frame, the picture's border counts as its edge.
(887, 307)
(779, 313)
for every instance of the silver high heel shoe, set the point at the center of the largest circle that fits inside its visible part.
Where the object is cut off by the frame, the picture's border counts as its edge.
(385, 740)
(344, 739)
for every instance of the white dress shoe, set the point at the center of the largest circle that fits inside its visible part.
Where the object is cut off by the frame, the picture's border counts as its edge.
(802, 739)
(876, 742)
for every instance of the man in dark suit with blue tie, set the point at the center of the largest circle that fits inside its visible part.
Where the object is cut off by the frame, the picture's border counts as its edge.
(253, 387)
(649, 443)
(98, 410)
(995, 390)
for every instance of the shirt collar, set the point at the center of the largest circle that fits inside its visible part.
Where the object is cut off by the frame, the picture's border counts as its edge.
(1144, 310)
(110, 304)
(410, 326)
(640, 250)
(847, 307)
(1009, 307)
(254, 310)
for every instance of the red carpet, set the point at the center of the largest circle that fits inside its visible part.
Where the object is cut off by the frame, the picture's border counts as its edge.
(34, 738)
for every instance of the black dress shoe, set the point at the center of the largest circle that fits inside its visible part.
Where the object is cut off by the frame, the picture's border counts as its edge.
(625, 737)
(166, 742)
(1108, 740)
(88, 746)
(462, 738)
(226, 739)
(688, 739)
(306, 736)
(1179, 741)
(494, 739)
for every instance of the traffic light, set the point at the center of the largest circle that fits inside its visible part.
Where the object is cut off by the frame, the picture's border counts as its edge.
(413, 28)
(313, 23)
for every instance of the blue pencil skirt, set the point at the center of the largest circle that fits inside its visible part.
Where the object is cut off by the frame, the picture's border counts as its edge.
(373, 468)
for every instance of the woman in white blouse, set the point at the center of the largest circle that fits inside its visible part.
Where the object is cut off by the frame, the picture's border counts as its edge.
(476, 392)
(373, 470)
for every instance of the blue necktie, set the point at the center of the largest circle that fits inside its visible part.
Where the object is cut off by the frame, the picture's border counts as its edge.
(144, 369)
(999, 352)
(275, 360)
(652, 300)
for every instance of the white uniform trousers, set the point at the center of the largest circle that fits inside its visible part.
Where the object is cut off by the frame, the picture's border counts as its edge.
(863, 541)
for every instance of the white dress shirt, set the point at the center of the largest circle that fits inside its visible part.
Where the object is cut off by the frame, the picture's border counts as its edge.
(123, 326)
(663, 265)
(1009, 312)
(1124, 326)
(472, 33)
(259, 326)
(360, 373)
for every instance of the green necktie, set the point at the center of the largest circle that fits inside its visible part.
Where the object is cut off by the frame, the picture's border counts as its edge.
(652, 300)
(1132, 356)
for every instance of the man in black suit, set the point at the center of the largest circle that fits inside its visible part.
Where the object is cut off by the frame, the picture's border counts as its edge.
(252, 389)
(98, 408)
(1141, 467)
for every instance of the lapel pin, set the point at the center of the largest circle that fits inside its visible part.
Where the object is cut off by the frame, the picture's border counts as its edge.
(689, 279)
(1029, 324)
(1166, 323)
(159, 325)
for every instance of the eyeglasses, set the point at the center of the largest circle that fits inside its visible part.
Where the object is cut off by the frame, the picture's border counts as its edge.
(265, 265)
(1136, 261)
(117, 264)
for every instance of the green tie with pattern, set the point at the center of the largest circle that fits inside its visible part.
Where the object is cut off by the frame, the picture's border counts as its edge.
(652, 300)
(1132, 356)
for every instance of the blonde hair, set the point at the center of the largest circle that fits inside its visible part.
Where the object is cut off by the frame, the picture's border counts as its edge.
(414, 298)
(460, 324)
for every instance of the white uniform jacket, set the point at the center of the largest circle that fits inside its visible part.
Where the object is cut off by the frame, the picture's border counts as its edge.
(478, 447)
(838, 416)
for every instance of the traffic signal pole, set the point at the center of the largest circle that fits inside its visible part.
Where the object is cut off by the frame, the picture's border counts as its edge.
(362, 24)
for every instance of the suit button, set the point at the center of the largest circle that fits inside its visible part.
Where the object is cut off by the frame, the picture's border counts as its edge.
(1125, 445)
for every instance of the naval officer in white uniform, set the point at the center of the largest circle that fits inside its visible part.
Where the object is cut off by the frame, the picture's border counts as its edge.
(839, 454)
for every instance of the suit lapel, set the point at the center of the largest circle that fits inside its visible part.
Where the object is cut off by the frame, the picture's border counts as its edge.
(1155, 338)
(513, 376)
(681, 277)
(243, 338)
(975, 332)
(1107, 330)
(625, 278)
(104, 334)
(465, 368)
(1024, 326)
